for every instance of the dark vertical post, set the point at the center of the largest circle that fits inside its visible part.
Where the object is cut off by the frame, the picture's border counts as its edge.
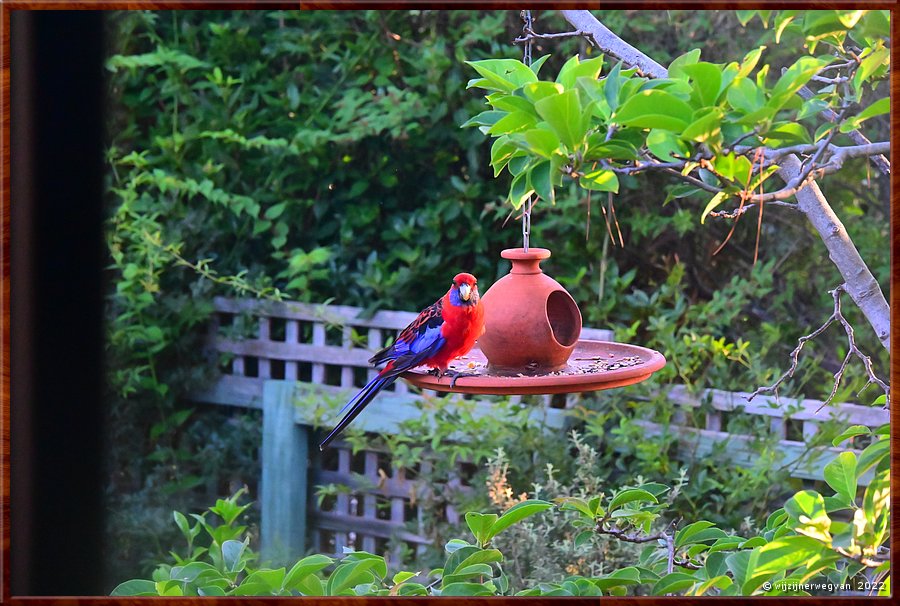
(56, 302)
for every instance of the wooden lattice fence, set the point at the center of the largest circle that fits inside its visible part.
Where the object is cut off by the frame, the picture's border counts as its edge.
(277, 353)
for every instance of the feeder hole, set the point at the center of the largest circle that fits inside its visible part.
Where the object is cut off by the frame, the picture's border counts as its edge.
(564, 317)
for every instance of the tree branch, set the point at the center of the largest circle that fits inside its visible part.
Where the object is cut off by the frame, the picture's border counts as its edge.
(607, 41)
(860, 283)
(852, 350)
(857, 137)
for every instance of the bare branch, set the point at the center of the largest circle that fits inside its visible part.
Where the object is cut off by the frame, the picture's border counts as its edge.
(734, 214)
(853, 350)
(531, 35)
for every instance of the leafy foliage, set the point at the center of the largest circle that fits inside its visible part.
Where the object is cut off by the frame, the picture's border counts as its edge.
(592, 129)
(802, 542)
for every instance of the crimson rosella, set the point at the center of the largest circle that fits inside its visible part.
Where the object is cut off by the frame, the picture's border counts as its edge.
(443, 331)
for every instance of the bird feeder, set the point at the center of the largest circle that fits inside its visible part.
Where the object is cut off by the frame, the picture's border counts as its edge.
(532, 344)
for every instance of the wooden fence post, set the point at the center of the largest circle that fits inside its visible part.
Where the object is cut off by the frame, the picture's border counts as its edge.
(285, 459)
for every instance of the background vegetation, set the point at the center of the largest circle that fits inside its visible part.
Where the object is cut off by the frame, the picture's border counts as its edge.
(318, 156)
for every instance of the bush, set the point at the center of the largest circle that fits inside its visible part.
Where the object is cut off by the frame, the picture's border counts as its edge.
(803, 542)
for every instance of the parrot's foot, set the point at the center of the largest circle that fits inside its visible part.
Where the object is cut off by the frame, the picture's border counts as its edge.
(435, 372)
(456, 374)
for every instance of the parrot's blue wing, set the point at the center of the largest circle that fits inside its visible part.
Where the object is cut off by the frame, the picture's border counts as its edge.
(420, 335)
(405, 356)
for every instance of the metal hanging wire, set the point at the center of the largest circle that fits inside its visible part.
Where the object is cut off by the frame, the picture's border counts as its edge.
(527, 28)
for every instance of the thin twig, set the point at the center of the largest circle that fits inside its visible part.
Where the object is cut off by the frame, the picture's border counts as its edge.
(853, 350)
(533, 35)
(734, 214)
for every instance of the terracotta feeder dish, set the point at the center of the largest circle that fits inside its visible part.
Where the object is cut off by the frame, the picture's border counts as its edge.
(531, 342)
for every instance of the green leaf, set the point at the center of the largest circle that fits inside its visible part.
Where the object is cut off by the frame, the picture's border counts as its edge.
(269, 581)
(468, 589)
(311, 585)
(811, 107)
(601, 179)
(672, 583)
(456, 544)
(744, 95)
(868, 66)
(881, 106)
(676, 67)
(511, 103)
(583, 538)
(781, 22)
(713, 203)
(706, 80)
(305, 567)
(513, 122)
(876, 499)
(503, 74)
(745, 16)
(502, 151)
(872, 455)
(786, 132)
(519, 191)
(563, 113)
(737, 564)
(351, 574)
(464, 573)
(140, 587)
(574, 69)
(210, 590)
(654, 109)
(575, 504)
(402, 577)
(485, 118)
(612, 85)
(183, 525)
(706, 129)
(536, 91)
(750, 61)
(231, 555)
(665, 145)
(808, 516)
(621, 577)
(840, 474)
(537, 63)
(539, 179)
(542, 141)
(630, 496)
(413, 589)
(479, 556)
(683, 536)
(782, 555)
(614, 149)
(517, 513)
(850, 432)
(752, 542)
(719, 582)
(796, 76)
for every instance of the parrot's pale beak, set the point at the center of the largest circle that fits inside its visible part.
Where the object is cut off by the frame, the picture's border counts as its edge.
(465, 291)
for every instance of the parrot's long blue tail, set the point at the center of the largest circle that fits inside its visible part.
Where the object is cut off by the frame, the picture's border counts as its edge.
(359, 402)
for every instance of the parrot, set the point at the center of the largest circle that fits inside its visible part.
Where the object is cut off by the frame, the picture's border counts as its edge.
(442, 332)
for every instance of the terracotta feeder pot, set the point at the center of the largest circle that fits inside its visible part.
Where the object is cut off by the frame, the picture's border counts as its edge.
(532, 328)
(531, 323)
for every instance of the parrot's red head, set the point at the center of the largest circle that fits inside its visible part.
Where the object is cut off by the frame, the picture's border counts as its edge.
(464, 290)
